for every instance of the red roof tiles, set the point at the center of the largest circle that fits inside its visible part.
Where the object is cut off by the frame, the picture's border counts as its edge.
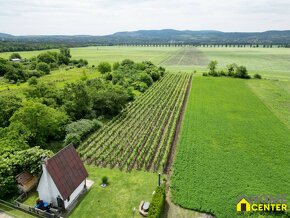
(67, 170)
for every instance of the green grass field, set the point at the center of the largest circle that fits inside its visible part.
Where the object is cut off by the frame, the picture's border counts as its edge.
(270, 62)
(230, 144)
(275, 95)
(58, 78)
(124, 192)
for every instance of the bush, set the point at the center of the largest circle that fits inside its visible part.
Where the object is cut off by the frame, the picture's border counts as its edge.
(145, 78)
(104, 67)
(140, 86)
(32, 81)
(108, 76)
(72, 138)
(155, 76)
(43, 67)
(242, 73)
(35, 73)
(257, 76)
(116, 65)
(76, 131)
(205, 74)
(157, 203)
(104, 180)
(15, 55)
(53, 66)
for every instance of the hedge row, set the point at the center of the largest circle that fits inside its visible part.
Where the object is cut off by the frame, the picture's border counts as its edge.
(157, 203)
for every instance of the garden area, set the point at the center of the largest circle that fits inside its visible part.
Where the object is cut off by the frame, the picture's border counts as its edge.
(124, 191)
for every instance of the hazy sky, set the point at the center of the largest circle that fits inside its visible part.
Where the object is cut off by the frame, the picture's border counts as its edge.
(100, 17)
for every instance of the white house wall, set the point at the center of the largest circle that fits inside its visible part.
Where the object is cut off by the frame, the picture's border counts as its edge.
(75, 194)
(47, 190)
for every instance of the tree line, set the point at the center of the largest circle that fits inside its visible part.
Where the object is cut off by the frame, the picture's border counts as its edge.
(45, 115)
(232, 70)
(18, 70)
(11, 46)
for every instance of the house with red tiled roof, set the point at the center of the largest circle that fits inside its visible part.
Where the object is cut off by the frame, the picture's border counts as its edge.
(63, 178)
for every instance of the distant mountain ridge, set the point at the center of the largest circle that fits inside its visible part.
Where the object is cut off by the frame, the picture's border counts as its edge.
(165, 36)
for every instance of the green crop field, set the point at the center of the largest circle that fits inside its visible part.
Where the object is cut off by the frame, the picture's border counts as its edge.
(230, 144)
(275, 95)
(270, 62)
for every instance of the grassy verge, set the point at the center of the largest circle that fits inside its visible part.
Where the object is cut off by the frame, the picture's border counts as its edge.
(11, 212)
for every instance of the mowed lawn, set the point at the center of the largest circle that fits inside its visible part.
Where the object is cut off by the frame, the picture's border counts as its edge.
(230, 144)
(124, 192)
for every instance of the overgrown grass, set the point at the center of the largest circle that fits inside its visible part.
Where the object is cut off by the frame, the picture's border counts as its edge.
(230, 144)
(58, 77)
(124, 192)
(31, 199)
(275, 95)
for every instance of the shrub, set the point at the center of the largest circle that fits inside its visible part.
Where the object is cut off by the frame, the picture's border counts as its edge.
(257, 76)
(43, 67)
(242, 72)
(53, 66)
(116, 65)
(15, 55)
(205, 74)
(104, 180)
(76, 131)
(140, 86)
(72, 138)
(104, 67)
(46, 57)
(155, 75)
(108, 76)
(157, 203)
(145, 78)
(127, 62)
(32, 81)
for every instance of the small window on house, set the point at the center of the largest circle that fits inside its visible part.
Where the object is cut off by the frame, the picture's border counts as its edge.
(68, 198)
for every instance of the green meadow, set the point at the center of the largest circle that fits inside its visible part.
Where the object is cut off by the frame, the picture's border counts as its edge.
(57, 77)
(230, 144)
(270, 62)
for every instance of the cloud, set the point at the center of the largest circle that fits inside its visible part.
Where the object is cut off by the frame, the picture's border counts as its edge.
(108, 16)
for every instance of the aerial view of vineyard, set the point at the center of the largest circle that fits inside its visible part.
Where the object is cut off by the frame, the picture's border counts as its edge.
(141, 137)
(135, 109)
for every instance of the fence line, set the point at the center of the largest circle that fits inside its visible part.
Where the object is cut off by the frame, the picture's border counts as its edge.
(28, 209)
